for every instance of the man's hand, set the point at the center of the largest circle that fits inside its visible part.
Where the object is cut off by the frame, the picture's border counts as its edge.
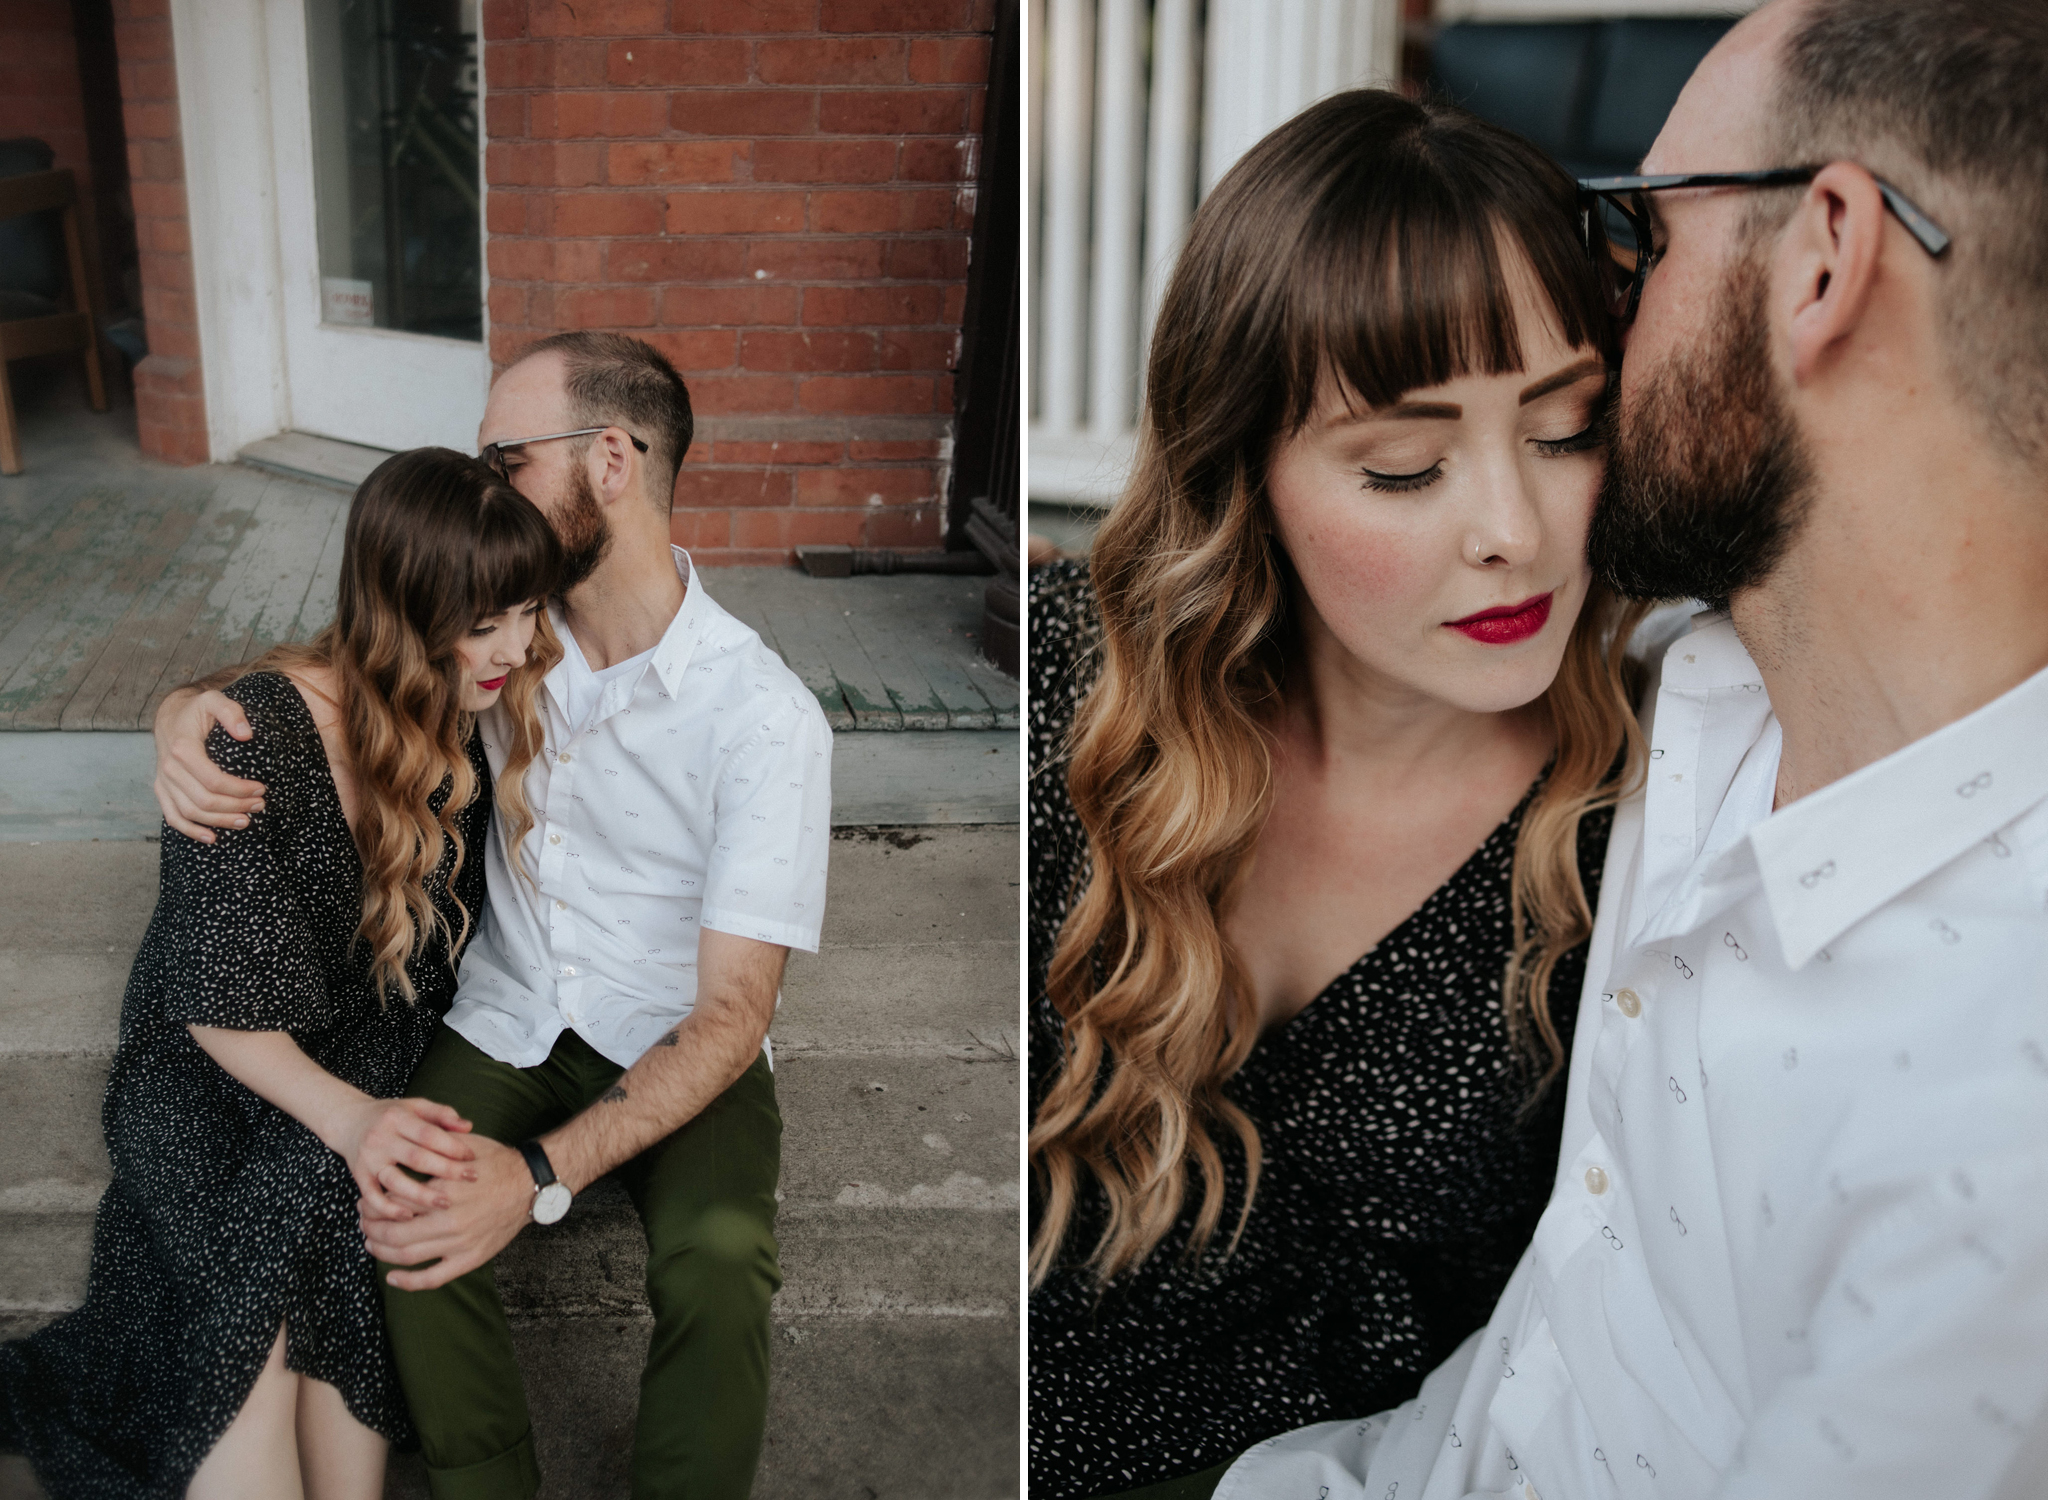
(380, 1136)
(481, 1219)
(196, 795)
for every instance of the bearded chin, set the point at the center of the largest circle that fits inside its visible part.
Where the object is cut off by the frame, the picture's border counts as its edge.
(1707, 475)
(582, 530)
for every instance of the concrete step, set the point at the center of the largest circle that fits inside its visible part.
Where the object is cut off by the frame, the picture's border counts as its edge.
(897, 1073)
(96, 786)
(899, 1192)
(857, 1408)
(303, 455)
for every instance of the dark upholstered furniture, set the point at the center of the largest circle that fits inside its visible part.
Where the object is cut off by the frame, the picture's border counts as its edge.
(46, 301)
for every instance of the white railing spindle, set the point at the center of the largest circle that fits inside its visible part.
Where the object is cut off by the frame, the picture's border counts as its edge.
(1121, 152)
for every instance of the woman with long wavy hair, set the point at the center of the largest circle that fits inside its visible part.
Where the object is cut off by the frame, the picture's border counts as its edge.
(1326, 737)
(231, 1342)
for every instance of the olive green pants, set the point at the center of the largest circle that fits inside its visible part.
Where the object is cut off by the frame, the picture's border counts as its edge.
(1188, 1487)
(706, 1198)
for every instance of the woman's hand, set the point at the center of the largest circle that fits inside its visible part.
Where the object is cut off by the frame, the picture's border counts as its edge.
(379, 1137)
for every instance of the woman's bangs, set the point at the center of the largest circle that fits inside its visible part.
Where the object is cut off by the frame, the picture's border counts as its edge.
(517, 558)
(1432, 296)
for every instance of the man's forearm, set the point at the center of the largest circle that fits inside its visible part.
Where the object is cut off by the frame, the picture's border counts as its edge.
(695, 1061)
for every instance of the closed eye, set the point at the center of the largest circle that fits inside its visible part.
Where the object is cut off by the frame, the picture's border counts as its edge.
(1579, 442)
(1402, 484)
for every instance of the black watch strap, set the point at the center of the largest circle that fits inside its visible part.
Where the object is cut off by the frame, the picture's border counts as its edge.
(537, 1163)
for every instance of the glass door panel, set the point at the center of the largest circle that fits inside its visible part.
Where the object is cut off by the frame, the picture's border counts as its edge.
(379, 218)
(394, 105)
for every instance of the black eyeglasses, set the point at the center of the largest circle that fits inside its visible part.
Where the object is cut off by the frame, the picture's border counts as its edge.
(1626, 267)
(493, 454)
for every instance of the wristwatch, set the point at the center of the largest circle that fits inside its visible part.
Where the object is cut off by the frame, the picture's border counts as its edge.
(550, 1198)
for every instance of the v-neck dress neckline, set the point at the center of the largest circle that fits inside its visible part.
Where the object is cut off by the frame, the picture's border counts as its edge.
(1399, 1187)
(1488, 851)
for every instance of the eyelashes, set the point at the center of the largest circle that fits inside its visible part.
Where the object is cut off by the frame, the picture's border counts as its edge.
(486, 628)
(1579, 442)
(1402, 484)
(1585, 440)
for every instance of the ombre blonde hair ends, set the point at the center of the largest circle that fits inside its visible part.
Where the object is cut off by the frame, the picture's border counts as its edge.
(1363, 241)
(435, 542)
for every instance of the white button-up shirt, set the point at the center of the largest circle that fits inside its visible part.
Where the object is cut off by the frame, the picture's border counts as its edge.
(699, 794)
(1798, 1243)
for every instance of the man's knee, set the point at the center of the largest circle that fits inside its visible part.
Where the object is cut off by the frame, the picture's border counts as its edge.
(725, 1258)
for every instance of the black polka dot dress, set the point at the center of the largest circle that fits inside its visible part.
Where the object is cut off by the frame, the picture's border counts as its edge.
(226, 1217)
(1398, 1189)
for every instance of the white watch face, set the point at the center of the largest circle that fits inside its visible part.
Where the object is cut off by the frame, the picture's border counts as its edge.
(550, 1203)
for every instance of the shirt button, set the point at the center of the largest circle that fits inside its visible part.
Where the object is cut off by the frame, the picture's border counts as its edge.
(1596, 1181)
(568, 968)
(563, 757)
(554, 838)
(1630, 1002)
(562, 906)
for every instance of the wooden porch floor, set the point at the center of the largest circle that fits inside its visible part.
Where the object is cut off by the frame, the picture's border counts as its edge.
(121, 578)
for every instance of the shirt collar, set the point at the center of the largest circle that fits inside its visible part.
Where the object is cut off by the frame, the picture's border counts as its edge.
(1832, 858)
(677, 645)
(1712, 740)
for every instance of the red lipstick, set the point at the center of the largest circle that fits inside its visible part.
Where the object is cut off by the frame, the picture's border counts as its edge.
(1507, 624)
(494, 684)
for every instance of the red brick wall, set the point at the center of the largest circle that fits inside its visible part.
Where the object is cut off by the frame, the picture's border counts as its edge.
(39, 89)
(170, 409)
(40, 96)
(777, 193)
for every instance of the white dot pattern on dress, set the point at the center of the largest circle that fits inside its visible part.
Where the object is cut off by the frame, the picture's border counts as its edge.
(226, 1216)
(1397, 1191)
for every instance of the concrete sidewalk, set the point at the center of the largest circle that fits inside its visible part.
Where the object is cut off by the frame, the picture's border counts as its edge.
(896, 1333)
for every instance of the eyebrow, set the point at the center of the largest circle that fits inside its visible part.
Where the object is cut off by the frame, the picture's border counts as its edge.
(1450, 411)
(1569, 375)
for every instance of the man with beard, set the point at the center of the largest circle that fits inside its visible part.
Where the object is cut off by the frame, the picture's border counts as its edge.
(1798, 1241)
(613, 1009)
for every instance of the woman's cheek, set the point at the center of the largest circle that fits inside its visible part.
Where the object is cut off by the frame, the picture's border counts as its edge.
(1570, 492)
(1357, 573)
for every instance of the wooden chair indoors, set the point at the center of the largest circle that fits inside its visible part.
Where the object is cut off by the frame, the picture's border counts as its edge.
(33, 322)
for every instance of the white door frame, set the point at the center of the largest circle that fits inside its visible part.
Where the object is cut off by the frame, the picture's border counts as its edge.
(242, 104)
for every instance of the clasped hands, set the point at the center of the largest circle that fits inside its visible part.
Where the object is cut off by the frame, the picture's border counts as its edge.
(432, 1191)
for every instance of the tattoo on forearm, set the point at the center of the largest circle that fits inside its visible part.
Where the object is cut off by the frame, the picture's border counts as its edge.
(613, 1094)
(670, 1037)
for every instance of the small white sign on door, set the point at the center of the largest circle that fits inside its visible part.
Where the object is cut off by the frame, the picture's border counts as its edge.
(353, 304)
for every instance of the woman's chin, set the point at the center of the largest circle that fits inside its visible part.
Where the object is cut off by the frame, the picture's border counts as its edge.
(1502, 678)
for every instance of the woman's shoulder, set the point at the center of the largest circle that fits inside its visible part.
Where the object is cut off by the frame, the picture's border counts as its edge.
(1066, 633)
(283, 724)
(1062, 594)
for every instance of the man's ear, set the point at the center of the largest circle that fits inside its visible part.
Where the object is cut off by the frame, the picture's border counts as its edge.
(1830, 251)
(611, 464)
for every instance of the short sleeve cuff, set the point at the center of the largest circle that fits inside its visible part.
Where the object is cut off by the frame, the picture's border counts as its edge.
(742, 924)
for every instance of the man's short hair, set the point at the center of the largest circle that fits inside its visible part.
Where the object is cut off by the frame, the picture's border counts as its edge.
(616, 381)
(1942, 98)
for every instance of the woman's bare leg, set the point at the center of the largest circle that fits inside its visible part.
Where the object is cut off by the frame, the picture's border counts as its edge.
(257, 1458)
(339, 1458)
